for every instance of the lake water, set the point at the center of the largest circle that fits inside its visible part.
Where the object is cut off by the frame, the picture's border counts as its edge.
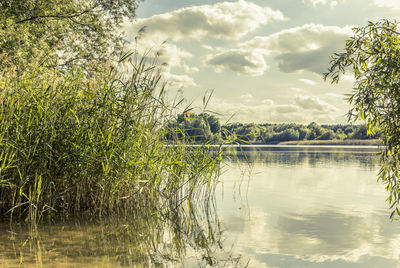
(276, 206)
(309, 207)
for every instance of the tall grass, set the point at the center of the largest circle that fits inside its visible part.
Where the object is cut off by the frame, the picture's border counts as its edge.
(84, 143)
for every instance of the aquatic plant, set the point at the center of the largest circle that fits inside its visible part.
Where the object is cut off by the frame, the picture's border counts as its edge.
(91, 143)
(189, 236)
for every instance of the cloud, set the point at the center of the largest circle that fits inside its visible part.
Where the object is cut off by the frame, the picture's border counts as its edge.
(178, 81)
(286, 108)
(190, 70)
(268, 101)
(393, 4)
(247, 97)
(243, 62)
(308, 82)
(314, 61)
(307, 47)
(223, 20)
(297, 89)
(167, 56)
(300, 39)
(315, 3)
(297, 110)
(207, 47)
(314, 103)
(335, 95)
(172, 55)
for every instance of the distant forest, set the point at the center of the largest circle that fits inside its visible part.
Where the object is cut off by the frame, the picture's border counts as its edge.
(206, 128)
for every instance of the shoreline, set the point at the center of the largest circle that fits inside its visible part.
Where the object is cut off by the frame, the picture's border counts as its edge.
(349, 143)
(367, 142)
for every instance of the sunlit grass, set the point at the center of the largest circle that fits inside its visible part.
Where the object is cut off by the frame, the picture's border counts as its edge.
(79, 143)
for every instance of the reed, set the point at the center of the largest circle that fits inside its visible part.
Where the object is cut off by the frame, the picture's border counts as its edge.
(92, 143)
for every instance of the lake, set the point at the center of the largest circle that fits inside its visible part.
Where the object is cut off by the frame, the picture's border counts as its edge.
(309, 207)
(275, 206)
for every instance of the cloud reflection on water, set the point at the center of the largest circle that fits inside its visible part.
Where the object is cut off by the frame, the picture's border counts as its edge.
(308, 209)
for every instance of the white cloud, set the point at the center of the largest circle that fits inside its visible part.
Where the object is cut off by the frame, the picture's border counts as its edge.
(178, 81)
(307, 47)
(286, 108)
(314, 103)
(304, 38)
(297, 110)
(394, 4)
(167, 56)
(190, 70)
(207, 47)
(297, 89)
(172, 55)
(268, 102)
(315, 3)
(247, 97)
(223, 20)
(243, 62)
(308, 82)
(335, 95)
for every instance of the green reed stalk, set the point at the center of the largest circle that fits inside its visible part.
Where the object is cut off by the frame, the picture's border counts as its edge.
(84, 143)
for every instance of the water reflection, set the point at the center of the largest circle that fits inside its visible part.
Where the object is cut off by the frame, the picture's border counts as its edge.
(305, 155)
(304, 207)
(191, 235)
(307, 208)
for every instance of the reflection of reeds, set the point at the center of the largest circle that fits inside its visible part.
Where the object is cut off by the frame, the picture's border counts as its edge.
(91, 144)
(191, 230)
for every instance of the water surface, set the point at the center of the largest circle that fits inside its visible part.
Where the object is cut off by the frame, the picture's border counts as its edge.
(275, 206)
(308, 207)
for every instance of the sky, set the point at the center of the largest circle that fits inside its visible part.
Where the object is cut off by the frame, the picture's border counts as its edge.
(262, 60)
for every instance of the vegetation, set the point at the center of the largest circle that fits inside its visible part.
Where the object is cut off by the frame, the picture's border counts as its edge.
(197, 128)
(115, 241)
(205, 128)
(372, 54)
(92, 144)
(62, 33)
(82, 134)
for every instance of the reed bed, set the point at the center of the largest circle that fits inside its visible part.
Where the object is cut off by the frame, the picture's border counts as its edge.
(79, 143)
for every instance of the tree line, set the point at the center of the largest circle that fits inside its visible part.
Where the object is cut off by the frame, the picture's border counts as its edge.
(206, 128)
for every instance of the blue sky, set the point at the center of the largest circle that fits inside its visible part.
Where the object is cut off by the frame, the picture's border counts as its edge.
(262, 59)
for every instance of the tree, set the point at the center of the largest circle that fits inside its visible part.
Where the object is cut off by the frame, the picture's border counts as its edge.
(248, 133)
(327, 135)
(303, 133)
(373, 55)
(289, 134)
(361, 133)
(194, 127)
(212, 121)
(62, 32)
(315, 131)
